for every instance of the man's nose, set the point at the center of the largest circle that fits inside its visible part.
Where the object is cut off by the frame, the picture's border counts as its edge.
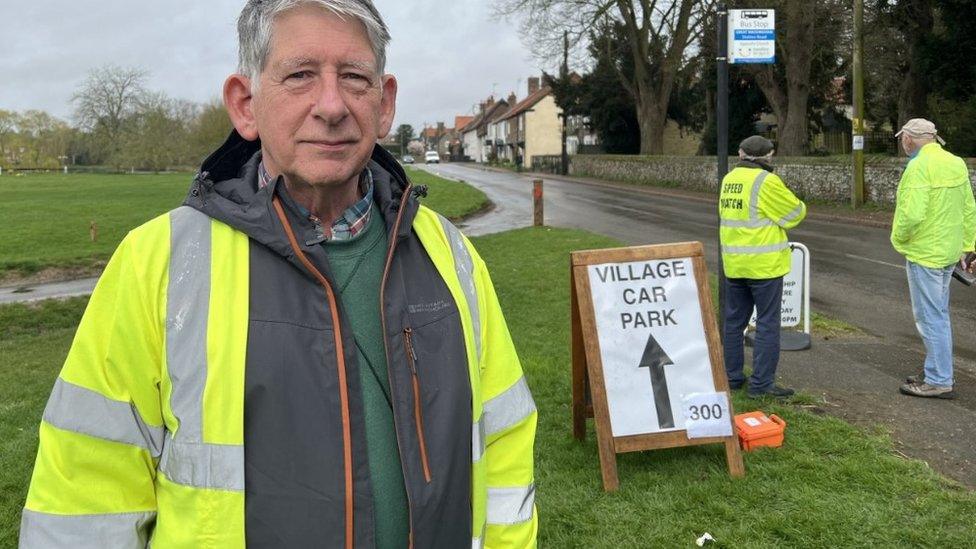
(330, 104)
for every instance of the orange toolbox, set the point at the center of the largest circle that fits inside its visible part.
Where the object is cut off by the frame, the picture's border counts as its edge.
(756, 430)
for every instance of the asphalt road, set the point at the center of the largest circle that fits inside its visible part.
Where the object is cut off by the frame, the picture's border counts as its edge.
(37, 292)
(856, 277)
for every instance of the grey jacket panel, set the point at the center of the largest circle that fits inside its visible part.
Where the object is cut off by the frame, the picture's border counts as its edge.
(293, 452)
(294, 469)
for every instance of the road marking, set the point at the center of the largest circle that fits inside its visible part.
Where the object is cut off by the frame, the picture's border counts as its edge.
(902, 267)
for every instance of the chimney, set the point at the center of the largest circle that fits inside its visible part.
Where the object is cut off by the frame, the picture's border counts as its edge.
(440, 128)
(490, 102)
(512, 99)
(533, 84)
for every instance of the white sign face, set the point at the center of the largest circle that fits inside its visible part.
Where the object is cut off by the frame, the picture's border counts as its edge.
(707, 415)
(791, 309)
(652, 342)
(858, 144)
(752, 36)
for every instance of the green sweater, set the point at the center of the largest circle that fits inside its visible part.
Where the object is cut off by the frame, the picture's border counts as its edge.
(357, 266)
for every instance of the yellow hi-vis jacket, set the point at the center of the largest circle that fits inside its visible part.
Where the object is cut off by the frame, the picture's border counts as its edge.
(142, 441)
(756, 210)
(935, 216)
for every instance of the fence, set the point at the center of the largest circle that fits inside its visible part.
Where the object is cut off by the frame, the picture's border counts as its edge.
(550, 163)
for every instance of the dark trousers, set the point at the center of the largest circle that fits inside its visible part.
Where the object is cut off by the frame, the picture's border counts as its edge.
(741, 295)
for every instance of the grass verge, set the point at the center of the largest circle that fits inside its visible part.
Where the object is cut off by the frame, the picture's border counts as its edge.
(452, 199)
(831, 485)
(48, 216)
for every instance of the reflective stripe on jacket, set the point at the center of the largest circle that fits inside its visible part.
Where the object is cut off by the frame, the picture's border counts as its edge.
(935, 215)
(205, 312)
(756, 209)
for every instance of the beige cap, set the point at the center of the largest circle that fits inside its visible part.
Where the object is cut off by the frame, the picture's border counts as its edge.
(920, 127)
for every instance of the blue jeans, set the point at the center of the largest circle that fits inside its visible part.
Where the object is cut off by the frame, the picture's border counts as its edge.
(929, 289)
(741, 295)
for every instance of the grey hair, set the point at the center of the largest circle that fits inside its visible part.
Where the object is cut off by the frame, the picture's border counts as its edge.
(256, 24)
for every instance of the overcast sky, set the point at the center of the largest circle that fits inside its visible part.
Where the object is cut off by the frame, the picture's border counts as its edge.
(446, 54)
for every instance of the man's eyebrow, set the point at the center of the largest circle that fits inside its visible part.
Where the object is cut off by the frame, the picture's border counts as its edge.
(361, 65)
(295, 62)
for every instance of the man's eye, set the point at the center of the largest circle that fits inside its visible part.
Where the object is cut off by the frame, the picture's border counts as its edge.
(301, 75)
(357, 79)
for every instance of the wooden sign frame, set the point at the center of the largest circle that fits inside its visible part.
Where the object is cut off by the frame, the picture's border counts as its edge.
(589, 390)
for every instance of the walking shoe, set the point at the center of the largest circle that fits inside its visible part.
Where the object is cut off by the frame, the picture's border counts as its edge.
(927, 391)
(736, 385)
(775, 391)
(916, 379)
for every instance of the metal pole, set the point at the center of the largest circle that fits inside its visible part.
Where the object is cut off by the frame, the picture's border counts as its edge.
(857, 142)
(564, 75)
(722, 133)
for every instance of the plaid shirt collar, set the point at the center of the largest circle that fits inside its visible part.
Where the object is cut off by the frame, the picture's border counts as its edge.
(350, 223)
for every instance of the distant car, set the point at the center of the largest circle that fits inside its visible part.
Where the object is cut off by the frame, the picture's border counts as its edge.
(407, 159)
(431, 157)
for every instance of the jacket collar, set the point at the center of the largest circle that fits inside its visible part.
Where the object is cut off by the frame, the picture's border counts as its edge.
(227, 189)
(756, 164)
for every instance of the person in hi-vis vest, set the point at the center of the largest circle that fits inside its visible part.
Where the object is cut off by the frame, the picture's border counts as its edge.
(303, 354)
(756, 210)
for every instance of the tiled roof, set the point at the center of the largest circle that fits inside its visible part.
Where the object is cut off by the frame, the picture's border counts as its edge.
(493, 113)
(528, 102)
(461, 121)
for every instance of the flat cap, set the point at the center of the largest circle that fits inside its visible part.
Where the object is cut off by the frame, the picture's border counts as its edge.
(756, 146)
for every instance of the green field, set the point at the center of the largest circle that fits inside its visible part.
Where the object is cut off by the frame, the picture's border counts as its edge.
(831, 485)
(48, 216)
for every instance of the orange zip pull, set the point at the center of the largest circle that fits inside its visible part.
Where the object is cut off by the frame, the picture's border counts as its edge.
(417, 407)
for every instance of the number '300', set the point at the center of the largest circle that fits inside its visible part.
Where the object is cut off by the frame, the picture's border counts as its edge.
(705, 412)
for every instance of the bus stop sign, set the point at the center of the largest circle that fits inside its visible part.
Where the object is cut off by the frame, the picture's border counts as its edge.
(752, 36)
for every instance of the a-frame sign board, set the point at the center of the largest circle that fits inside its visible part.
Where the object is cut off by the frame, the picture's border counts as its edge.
(644, 337)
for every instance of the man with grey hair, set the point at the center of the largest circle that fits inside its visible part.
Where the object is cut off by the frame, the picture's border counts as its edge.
(301, 355)
(934, 227)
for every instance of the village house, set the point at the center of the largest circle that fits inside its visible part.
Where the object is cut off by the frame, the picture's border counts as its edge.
(534, 127)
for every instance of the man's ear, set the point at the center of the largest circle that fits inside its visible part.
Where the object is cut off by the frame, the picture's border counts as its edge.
(238, 100)
(387, 105)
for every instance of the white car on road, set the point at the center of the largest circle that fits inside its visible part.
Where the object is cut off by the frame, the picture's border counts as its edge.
(431, 157)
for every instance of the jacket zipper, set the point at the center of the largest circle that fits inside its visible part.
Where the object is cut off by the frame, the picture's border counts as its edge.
(417, 404)
(386, 347)
(341, 366)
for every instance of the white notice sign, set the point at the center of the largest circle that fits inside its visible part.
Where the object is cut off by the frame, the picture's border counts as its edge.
(792, 304)
(707, 415)
(752, 36)
(652, 342)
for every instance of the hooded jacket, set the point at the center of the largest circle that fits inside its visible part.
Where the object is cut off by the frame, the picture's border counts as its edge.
(211, 395)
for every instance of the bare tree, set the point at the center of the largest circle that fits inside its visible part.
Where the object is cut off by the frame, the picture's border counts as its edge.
(157, 133)
(808, 33)
(660, 32)
(105, 100)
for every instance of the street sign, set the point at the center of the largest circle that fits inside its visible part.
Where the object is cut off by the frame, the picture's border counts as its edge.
(652, 341)
(644, 340)
(752, 36)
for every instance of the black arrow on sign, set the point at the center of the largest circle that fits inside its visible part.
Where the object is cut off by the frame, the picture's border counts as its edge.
(655, 359)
